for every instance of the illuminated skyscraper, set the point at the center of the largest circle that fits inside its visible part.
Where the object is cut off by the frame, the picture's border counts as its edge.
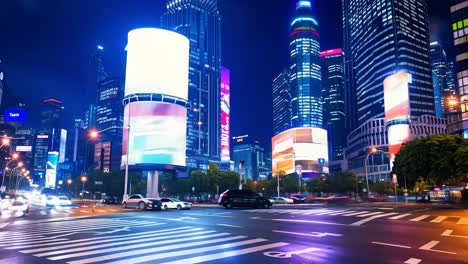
(333, 98)
(200, 22)
(281, 102)
(459, 13)
(305, 71)
(382, 37)
(439, 74)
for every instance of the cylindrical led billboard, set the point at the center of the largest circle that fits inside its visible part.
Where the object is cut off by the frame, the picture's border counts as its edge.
(225, 113)
(307, 147)
(156, 91)
(397, 112)
(157, 62)
(157, 134)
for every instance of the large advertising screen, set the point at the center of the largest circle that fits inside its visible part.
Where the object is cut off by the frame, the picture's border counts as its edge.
(63, 144)
(225, 113)
(307, 147)
(15, 115)
(157, 134)
(51, 169)
(157, 62)
(397, 112)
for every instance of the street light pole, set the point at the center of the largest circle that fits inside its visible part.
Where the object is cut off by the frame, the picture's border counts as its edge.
(373, 151)
(13, 158)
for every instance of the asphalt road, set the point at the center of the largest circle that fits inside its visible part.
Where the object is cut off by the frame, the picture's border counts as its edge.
(303, 234)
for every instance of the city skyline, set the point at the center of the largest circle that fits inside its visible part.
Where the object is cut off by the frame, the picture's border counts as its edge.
(78, 71)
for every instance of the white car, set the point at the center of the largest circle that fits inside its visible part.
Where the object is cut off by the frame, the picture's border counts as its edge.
(281, 200)
(19, 205)
(139, 202)
(174, 203)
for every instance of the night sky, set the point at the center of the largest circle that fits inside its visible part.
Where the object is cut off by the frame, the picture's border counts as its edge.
(46, 47)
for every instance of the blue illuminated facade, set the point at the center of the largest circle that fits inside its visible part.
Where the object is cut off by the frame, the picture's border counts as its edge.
(200, 22)
(305, 70)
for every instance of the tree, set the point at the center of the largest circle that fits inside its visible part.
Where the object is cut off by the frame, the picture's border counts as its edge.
(228, 180)
(249, 185)
(383, 188)
(438, 159)
(214, 175)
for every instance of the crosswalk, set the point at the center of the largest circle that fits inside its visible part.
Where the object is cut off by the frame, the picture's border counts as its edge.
(368, 214)
(184, 244)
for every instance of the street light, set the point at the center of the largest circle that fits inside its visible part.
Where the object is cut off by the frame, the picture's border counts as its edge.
(19, 180)
(19, 165)
(95, 134)
(5, 142)
(83, 180)
(373, 151)
(13, 157)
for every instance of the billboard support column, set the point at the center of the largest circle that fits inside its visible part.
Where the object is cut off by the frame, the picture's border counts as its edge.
(152, 184)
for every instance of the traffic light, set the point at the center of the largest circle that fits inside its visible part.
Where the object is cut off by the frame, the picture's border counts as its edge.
(324, 179)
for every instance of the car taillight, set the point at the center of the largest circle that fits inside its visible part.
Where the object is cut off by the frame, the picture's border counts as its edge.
(224, 195)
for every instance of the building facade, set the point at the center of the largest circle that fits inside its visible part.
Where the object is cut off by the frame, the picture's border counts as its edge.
(249, 158)
(109, 119)
(333, 93)
(439, 75)
(383, 37)
(305, 70)
(281, 102)
(200, 22)
(459, 14)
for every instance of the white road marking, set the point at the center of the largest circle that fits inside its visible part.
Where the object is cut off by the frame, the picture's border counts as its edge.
(279, 254)
(312, 234)
(131, 246)
(127, 236)
(314, 211)
(329, 212)
(307, 221)
(3, 225)
(342, 213)
(398, 216)
(43, 212)
(84, 211)
(385, 208)
(113, 241)
(227, 254)
(165, 248)
(419, 218)
(363, 212)
(230, 225)
(439, 219)
(194, 214)
(391, 245)
(463, 221)
(412, 261)
(100, 211)
(365, 220)
(49, 220)
(433, 243)
(449, 233)
(369, 214)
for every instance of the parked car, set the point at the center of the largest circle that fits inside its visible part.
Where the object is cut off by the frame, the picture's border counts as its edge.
(110, 200)
(174, 203)
(243, 198)
(142, 203)
(19, 205)
(5, 202)
(281, 200)
(377, 198)
(298, 198)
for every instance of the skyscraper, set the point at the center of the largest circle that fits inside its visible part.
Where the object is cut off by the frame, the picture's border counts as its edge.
(200, 22)
(439, 74)
(249, 157)
(382, 37)
(459, 13)
(305, 71)
(334, 105)
(281, 102)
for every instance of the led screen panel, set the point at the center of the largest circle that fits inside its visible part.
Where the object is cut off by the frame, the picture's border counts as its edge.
(15, 115)
(23, 148)
(397, 111)
(51, 169)
(157, 134)
(300, 146)
(225, 114)
(157, 62)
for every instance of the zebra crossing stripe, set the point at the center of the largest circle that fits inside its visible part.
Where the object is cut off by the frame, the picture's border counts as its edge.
(342, 213)
(369, 214)
(192, 236)
(357, 213)
(439, 219)
(365, 220)
(463, 221)
(398, 216)
(227, 254)
(128, 236)
(419, 218)
(114, 239)
(165, 248)
(314, 211)
(185, 252)
(138, 246)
